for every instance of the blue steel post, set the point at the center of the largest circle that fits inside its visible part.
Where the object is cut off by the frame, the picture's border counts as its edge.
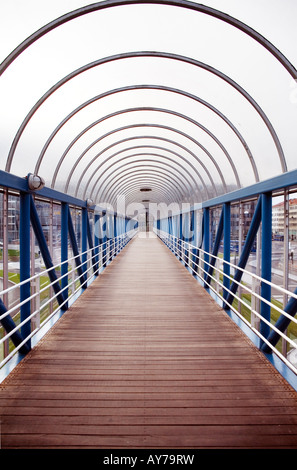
(96, 242)
(227, 242)
(37, 227)
(266, 254)
(206, 240)
(250, 239)
(64, 251)
(215, 250)
(194, 242)
(115, 245)
(180, 236)
(84, 240)
(25, 264)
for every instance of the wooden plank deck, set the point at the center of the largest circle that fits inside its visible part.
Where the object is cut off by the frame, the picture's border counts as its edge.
(146, 359)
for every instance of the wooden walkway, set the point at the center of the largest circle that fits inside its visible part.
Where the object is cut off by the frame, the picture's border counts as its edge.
(146, 359)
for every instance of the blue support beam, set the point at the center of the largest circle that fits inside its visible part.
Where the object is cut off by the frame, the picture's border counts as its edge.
(96, 242)
(45, 251)
(180, 236)
(103, 239)
(266, 254)
(92, 247)
(75, 250)
(227, 243)
(250, 239)
(282, 324)
(64, 251)
(115, 245)
(9, 325)
(25, 290)
(84, 240)
(216, 247)
(206, 236)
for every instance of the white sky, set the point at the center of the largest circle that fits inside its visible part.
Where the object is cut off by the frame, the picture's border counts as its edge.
(146, 28)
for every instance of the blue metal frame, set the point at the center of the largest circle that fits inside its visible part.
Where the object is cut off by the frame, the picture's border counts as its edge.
(64, 250)
(227, 242)
(25, 290)
(206, 239)
(266, 253)
(45, 251)
(216, 247)
(250, 239)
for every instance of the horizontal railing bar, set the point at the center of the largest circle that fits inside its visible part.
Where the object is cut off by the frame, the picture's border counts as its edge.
(200, 268)
(113, 246)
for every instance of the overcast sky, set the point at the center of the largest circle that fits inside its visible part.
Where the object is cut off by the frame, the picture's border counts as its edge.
(149, 28)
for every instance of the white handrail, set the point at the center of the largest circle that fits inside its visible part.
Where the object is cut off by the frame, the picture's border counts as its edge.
(173, 243)
(112, 247)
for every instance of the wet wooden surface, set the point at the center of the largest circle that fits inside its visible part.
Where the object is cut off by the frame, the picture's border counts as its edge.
(146, 359)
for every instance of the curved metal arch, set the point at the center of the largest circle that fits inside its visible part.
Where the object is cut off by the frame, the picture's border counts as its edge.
(133, 126)
(174, 113)
(141, 163)
(156, 184)
(167, 174)
(177, 3)
(146, 146)
(132, 194)
(148, 87)
(151, 154)
(131, 189)
(177, 57)
(142, 175)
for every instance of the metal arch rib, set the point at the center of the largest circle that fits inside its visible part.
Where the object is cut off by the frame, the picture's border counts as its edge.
(158, 55)
(157, 184)
(148, 146)
(132, 194)
(145, 163)
(177, 3)
(178, 185)
(192, 121)
(159, 176)
(133, 126)
(140, 175)
(149, 87)
(152, 154)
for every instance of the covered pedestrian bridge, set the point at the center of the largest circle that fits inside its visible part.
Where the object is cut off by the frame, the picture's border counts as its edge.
(148, 227)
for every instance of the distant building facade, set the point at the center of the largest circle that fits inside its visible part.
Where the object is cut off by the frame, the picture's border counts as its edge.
(278, 220)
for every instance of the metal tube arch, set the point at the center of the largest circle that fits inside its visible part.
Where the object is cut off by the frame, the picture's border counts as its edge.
(177, 3)
(133, 126)
(134, 179)
(148, 146)
(172, 56)
(161, 187)
(147, 87)
(132, 193)
(139, 175)
(141, 164)
(180, 187)
(174, 113)
(140, 161)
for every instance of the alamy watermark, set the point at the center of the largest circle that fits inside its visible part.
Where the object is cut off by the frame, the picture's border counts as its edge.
(136, 213)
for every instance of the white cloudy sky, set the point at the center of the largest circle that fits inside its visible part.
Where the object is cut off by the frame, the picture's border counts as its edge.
(149, 28)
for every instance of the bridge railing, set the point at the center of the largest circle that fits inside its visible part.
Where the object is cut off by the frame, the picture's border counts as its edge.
(81, 270)
(246, 303)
